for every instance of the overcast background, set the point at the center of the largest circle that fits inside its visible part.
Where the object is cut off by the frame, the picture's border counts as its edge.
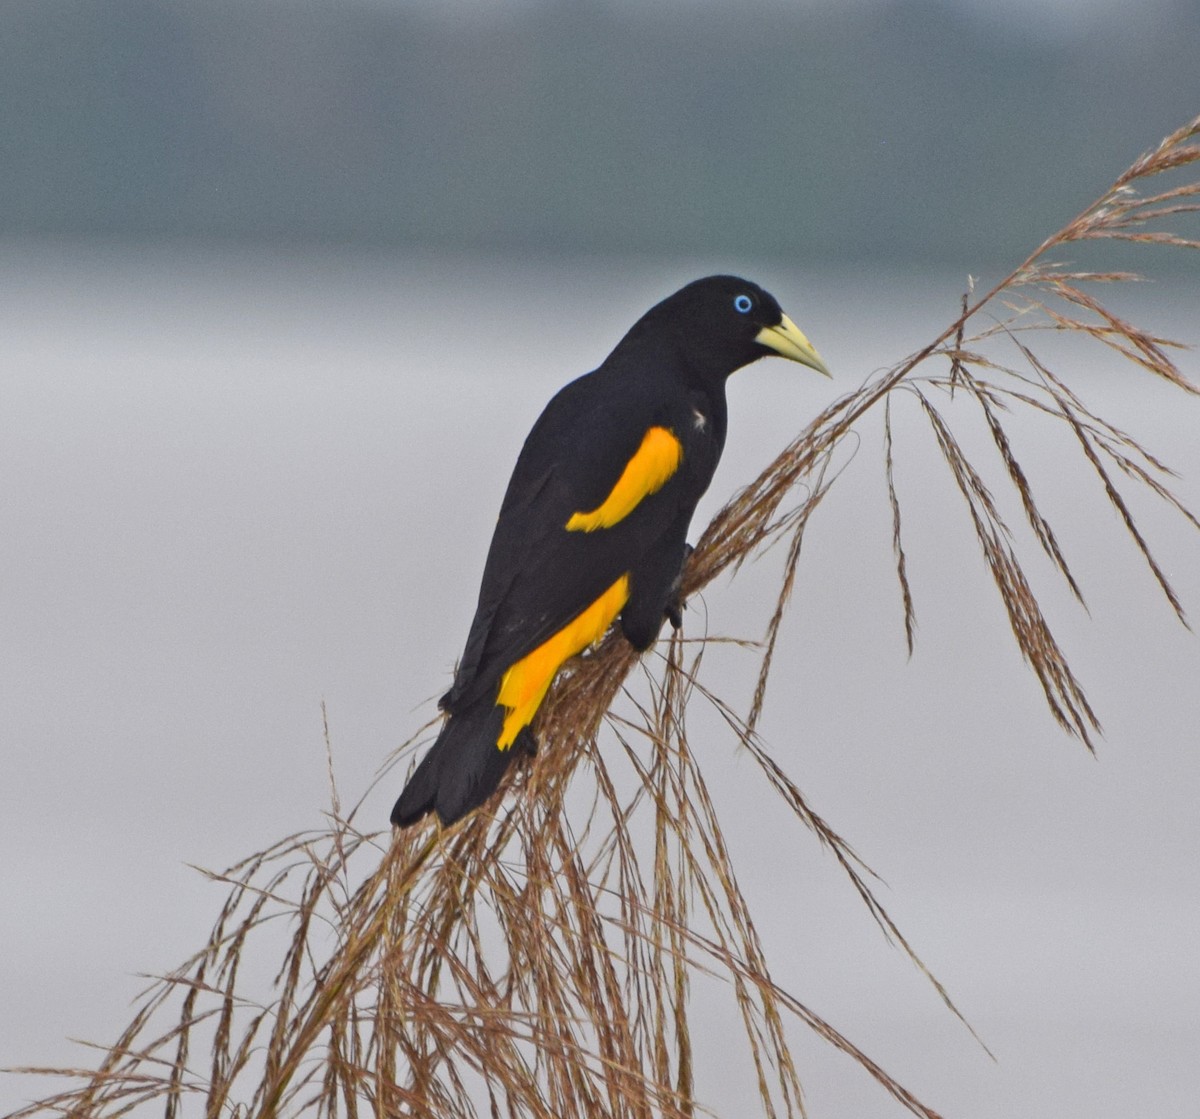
(283, 287)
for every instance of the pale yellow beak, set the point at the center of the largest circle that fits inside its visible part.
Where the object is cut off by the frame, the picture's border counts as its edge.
(788, 340)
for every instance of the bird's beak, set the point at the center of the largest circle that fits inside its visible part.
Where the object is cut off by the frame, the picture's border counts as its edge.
(788, 340)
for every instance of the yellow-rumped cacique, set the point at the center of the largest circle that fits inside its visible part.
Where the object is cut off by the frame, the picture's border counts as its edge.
(593, 528)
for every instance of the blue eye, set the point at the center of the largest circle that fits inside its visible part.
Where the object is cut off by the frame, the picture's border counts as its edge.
(742, 304)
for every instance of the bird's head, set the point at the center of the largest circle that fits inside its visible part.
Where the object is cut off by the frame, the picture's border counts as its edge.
(724, 322)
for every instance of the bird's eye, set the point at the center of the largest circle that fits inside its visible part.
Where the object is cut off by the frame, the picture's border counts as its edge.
(742, 304)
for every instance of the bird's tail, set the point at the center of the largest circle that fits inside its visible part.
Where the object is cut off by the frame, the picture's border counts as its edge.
(462, 768)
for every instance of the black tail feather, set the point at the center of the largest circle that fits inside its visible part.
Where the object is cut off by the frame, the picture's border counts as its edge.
(462, 768)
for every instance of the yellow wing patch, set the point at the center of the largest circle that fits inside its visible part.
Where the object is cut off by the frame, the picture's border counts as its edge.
(524, 685)
(647, 472)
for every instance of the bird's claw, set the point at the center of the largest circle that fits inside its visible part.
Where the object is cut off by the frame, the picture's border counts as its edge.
(676, 603)
(526, 742)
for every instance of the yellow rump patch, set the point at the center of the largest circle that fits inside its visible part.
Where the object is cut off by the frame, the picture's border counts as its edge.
(653, 463)
(524, 685)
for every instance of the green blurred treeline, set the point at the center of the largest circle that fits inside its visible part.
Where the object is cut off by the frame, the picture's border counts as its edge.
(901, 131)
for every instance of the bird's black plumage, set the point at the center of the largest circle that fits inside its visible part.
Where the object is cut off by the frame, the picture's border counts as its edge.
(593, 527)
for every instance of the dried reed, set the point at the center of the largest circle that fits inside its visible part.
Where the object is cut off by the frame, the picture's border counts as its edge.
(536, 959)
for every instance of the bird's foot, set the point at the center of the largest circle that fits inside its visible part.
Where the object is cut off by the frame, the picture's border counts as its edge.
(676, 603)
(525, 741)
(674, 612)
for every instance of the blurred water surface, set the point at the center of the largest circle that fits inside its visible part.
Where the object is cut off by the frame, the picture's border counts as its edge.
(235, 485)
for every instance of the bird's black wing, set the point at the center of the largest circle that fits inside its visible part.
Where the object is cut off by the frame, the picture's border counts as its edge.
(538, 575)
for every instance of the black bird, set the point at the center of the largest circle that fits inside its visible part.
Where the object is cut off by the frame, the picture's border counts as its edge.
(594, 524)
